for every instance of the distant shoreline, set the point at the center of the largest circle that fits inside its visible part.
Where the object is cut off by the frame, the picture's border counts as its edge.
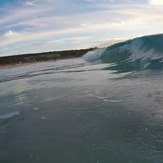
(30, 63)
(18, 60)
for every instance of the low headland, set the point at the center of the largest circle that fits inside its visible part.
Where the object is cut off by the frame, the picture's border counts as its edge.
(41, 57)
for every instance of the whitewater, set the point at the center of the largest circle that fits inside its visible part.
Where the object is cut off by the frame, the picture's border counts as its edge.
(106, 107)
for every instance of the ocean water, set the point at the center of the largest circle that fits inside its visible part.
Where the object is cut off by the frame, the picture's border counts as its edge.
(75, 111)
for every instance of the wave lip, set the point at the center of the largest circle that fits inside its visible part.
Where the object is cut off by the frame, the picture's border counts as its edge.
(93, 56)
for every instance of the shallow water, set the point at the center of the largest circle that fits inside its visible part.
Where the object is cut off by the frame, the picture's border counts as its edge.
(71, 111)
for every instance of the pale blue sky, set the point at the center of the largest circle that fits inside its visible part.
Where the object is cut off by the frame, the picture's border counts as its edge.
(28, 26)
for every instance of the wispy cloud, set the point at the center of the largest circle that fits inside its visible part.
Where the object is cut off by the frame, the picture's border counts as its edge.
(11, 34)
(61, 23)
(49, 45)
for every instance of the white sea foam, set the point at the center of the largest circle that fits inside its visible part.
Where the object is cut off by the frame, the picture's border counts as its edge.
(35, 108)
(93, 56)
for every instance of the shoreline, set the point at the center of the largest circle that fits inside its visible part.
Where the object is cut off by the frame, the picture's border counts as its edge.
(21, 60)
(8, 66)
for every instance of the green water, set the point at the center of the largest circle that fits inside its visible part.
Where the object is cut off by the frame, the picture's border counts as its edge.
(75, 112)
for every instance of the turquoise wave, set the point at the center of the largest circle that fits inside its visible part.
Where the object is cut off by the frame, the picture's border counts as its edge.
(137, 54)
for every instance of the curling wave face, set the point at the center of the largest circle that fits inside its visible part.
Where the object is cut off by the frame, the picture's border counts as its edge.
(137, 54)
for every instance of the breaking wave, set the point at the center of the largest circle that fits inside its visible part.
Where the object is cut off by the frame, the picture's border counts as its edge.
(137, 54)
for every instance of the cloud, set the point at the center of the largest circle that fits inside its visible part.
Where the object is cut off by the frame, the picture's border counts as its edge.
(11, 34)
(69, 39)
(30, 3)
(58, 44)
(12, 37)
(105, 43)
(51, 21)
(156, 2)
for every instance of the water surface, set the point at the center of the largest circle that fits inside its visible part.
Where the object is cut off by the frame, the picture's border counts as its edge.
(72, 111)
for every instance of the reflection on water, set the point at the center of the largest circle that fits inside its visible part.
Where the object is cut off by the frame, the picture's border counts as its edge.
(9, 115)
(73, 111)
(19, 90)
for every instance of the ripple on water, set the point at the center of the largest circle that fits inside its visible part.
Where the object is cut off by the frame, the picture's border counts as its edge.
(9, 115)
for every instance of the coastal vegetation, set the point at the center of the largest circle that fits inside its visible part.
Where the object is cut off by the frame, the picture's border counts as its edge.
(40, 57)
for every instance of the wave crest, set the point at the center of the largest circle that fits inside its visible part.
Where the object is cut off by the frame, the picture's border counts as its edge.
(137, 54)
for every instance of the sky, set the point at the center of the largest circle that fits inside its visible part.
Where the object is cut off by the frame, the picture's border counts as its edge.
(31, 26)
